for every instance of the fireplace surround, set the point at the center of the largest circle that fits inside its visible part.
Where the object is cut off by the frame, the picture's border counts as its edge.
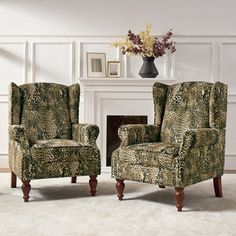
(102, 97)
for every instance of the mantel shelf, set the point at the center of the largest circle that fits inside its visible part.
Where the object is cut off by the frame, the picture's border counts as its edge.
(122, 81)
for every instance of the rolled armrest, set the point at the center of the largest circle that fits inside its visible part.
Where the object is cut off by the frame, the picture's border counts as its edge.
(85, 133)
(134, 134)
(18, 134)
(200, 137)
(201, 156)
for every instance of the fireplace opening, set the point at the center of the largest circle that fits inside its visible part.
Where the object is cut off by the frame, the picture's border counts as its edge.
(113, 123)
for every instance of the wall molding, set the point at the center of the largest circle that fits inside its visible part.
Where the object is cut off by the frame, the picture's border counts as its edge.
(71, 56)
(25, 59)
(75, 68)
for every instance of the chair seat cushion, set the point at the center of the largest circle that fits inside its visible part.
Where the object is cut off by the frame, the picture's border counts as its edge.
(58, 150)
(149, 154)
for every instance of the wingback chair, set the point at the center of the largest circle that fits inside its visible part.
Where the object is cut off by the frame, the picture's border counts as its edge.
(45, 138)
(186, 144)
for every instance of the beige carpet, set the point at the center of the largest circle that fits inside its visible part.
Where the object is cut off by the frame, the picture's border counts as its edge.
(59, 208)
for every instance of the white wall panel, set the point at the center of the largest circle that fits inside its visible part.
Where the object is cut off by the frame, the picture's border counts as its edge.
(13, 64)
(53, 62)
(228, 65)
(4, 161)
(230, 130)
(4, 128)
(193, 61)
(61, 59)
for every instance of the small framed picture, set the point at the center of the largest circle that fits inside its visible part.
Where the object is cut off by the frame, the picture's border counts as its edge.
(96, 64)
(113, 68)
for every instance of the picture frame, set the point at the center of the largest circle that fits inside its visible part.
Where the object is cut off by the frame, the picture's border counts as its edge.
(96, 64)
(113, 69)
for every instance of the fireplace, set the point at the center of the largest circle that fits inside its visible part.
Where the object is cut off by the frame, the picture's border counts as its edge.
(113, 124)
(105, 99)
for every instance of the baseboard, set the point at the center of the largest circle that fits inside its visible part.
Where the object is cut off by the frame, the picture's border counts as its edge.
(230, 171)
(107, 170)
(4, 170)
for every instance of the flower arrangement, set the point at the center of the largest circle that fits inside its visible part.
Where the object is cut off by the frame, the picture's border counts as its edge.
(145, 44)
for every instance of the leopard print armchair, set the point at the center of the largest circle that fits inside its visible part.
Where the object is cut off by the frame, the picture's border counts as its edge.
(45, 137)
(186, 144)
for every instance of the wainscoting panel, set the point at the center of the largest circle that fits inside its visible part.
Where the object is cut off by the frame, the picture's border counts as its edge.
(231, 129)
(62, 59)
(4, 128)
(228, 65)
(193, 61)
(13, 64)
(53, 62)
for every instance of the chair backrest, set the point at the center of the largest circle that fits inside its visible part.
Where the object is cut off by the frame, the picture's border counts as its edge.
(47, 110)
(189, 105)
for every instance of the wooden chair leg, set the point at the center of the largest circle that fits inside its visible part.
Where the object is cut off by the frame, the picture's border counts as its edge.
(120, 186)
(93, 184)
(218, 186)
(26, 189)
(179, 195)
(13, 180)
(73, 179)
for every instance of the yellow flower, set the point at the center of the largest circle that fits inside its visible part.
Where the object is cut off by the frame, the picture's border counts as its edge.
(145, 44)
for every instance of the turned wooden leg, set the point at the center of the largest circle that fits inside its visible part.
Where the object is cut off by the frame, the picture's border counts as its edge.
(93, 184)
(179, 195)
(13, 180)
(161, 186)
(218, 186)
(73, 179)
(26, 189)
(120, 186)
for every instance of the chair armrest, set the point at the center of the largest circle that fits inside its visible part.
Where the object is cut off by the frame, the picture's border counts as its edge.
(18, 134)
(200, 137)
(138, 133)
(85, 133)
(201, 156)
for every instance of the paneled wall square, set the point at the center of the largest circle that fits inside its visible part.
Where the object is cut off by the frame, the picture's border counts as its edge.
(228, 65)
(4, 128)
(13, 64)
(53, 62)
(193, 61)
(231, 128)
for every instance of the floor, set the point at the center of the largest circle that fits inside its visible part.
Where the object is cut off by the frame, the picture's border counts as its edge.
(59, 208)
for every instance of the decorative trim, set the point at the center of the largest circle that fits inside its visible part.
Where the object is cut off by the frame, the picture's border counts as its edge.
(72, 58)
(5, 170)
(25, 60)
(221, 44)
(5, 100)
(111, 36)
(212, 67)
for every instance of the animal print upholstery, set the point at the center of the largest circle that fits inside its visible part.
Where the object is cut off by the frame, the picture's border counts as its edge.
(186, 144)
(45, 139)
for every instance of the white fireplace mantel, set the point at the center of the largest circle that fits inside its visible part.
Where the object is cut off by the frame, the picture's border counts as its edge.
(114, 96)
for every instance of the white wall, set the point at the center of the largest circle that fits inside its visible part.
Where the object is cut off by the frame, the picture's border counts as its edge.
(109, 17)
(47, 41)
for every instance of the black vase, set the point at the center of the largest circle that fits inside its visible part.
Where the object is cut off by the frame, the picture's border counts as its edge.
(148, 69)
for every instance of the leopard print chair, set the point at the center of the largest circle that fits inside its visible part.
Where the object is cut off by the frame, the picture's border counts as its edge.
(186, 144)
(45, 138)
